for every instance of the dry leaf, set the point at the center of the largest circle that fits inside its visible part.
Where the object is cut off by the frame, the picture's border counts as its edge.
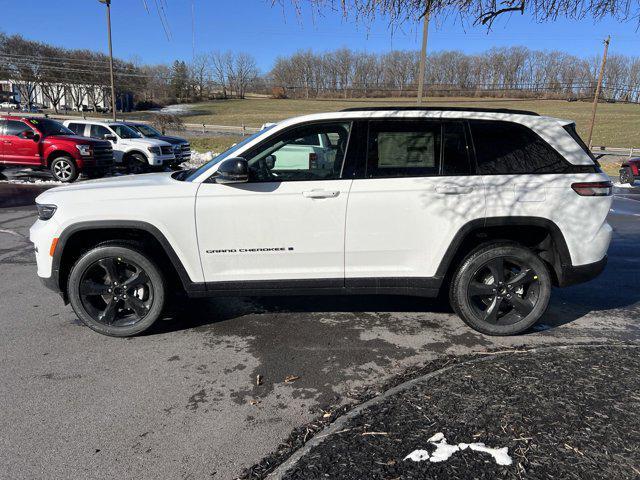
(291, 378)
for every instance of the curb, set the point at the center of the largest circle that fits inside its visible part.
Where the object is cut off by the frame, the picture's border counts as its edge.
(340, 422)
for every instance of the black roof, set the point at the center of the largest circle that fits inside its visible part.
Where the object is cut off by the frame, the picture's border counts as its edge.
(441, 109)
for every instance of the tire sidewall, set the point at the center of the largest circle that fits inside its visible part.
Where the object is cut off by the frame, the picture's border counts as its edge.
(152, 271)
(74, 169)
(459, 294)
(137, 164)
(626, 176)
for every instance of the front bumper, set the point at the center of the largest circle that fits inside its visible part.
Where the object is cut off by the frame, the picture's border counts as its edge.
(572, 275)
(160, 160)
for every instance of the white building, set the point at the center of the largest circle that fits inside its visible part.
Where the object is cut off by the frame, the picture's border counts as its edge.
(87, 95)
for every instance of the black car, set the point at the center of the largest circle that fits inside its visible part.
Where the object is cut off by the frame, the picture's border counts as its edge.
(181, 147)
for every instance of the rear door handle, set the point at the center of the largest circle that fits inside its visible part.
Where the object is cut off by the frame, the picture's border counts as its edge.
(320, 194)
(453, 189)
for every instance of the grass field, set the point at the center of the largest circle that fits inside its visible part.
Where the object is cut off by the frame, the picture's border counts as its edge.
(617, 125)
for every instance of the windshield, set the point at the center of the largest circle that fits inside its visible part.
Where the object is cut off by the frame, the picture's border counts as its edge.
(125, 132)
(50, 127)
(147, 131)
(200, 170)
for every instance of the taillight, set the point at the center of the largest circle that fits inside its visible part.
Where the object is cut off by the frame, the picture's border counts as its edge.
(593, 189)
(313, 160)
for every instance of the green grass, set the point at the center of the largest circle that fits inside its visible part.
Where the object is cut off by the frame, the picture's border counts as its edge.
(617, 125)
(213, 144)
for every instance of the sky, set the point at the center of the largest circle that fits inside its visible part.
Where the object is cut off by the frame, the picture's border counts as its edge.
(268, 31)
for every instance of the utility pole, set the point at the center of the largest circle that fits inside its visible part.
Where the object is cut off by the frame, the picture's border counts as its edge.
(598, 88)
(113, 88)
(423, 57)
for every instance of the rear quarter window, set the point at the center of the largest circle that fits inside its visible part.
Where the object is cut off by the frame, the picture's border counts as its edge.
(511, 148)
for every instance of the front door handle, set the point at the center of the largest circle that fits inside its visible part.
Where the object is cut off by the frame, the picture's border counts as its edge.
(321, 194)
(453, 189)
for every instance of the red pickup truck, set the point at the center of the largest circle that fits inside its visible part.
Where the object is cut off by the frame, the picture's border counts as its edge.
(47, 144)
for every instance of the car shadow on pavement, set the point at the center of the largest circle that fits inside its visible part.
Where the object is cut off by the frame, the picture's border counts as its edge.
(186, 313)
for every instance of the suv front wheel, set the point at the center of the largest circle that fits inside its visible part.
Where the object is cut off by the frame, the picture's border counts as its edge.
(116, 289)
(501, 289)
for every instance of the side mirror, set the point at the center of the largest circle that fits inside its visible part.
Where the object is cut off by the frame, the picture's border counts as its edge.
(270, 161)
(233, 170)
(108, 136)
(29, 134)
(36, 138)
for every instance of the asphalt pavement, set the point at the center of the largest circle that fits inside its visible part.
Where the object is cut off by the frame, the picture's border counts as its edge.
(184, 401)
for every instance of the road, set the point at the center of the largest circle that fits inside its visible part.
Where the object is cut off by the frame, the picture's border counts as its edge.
(183, 401)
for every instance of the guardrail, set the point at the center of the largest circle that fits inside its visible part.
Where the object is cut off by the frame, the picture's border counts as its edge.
(620, 152)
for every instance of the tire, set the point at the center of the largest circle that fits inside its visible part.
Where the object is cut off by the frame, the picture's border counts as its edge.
(509, 306)
(137, 163)
(626, 175)
(64, 169)
(116, 289)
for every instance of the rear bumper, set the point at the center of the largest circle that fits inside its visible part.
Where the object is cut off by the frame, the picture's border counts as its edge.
(572, 275)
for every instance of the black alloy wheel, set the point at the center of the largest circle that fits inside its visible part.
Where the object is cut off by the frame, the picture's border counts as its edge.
(116, 292)
(503, 291)
(117, 289)
(501, 288)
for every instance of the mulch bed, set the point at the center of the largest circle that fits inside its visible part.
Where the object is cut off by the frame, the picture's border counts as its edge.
(570, 413)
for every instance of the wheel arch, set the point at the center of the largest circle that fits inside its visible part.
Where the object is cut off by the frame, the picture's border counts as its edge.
(542, 235)
(133, 152)
(77, 238)
(57, 154)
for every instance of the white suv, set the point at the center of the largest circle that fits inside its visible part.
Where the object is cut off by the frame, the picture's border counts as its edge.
(490, 207)
(130, 148)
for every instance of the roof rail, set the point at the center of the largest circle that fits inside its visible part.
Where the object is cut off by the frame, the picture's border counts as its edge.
(441, 109)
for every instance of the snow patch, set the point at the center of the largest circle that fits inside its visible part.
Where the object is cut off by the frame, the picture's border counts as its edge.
(444, 451)
(623, 185)
(179, 109)
(198, 159)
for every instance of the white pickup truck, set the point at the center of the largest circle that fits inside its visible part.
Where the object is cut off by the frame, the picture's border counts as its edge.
(314, 152)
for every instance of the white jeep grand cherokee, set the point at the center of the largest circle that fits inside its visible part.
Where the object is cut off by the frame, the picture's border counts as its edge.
(492, 207)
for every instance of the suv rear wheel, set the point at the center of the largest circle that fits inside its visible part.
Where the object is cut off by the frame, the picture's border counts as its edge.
(64, 169)
(501, 289)
(116, 289)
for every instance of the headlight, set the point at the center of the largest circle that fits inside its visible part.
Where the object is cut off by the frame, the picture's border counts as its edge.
(154, 150)
(45, 212)
(85, 150)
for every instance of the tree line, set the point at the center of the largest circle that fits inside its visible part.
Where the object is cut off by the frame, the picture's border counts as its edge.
(499, 72)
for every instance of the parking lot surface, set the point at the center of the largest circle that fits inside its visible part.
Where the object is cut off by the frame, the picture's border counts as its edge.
(185, 400)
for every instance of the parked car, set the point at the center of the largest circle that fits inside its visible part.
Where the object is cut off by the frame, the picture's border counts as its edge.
(130, 149)
(44, 143)
(490, 207)
(630, 171)
(9, 106)
(31, 109)
(181, 147)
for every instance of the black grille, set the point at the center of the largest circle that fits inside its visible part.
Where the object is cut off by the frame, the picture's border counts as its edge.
(167, 150)
(183, 151)
(103, 155)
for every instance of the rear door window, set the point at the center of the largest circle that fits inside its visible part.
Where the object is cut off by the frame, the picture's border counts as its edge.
(98, 131)
(511, 148)
(403, 149)
(77, 128)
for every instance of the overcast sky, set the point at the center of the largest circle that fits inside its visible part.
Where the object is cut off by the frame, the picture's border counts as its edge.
(257, 27)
